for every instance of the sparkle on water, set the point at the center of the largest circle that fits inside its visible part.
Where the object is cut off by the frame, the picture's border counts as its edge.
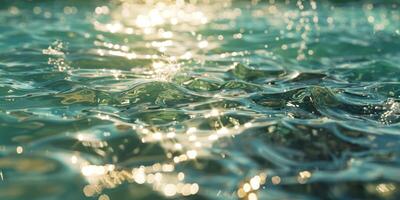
(199, 99)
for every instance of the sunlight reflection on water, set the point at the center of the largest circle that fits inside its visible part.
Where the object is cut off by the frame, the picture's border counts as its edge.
(205, 100)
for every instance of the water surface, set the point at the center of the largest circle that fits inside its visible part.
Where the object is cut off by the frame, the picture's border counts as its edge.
(208, 100)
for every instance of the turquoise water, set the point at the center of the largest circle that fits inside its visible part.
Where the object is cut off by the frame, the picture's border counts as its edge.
(209, 100)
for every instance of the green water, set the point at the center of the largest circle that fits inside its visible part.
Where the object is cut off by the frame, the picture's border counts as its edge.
(210, 100)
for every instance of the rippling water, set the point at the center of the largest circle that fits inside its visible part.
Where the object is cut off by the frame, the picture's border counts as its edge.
(208, 100)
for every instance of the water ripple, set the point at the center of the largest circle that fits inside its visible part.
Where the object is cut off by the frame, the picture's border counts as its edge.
(200, 100)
